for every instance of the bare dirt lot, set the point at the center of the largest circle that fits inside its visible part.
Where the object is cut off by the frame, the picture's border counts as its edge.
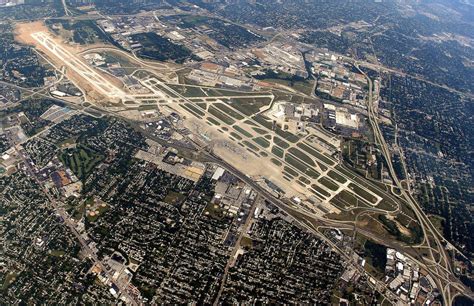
(24, 30)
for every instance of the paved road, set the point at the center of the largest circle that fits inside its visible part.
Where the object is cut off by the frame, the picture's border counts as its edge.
(295, 213)
(235, 248)
(442, 268)
(57, 207)
(66, 10)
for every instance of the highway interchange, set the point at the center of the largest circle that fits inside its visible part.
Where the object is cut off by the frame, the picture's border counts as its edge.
(438, 264)
(441, 269)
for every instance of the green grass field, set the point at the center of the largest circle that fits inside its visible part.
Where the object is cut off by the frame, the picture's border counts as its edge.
(57, 253)
(101, 211)
(194, 110)
(229, 111)
(320, 190)
(236, 136)
(9, 279)
(188, 91)
(345, 199)
(302, 156)
(248, 106)
(276, 162)
(280, 142)
(250, 145)
(316, 154)
(221, 116)
(173, 197)
(277, 151)
(242, 131)
(364, 194)
(81, 160)
(262, 142)
(212, 121)
(328, 183)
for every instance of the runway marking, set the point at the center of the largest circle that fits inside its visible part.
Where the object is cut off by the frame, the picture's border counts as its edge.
(104, 86)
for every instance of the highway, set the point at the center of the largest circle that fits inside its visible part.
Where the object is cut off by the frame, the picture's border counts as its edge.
(297, 213)
(66, 10)
(442, 268)
(231, 261)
